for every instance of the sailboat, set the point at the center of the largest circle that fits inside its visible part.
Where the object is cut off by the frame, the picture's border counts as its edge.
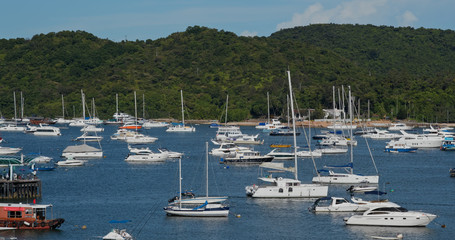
(136, 137)
(286, 187)
(62, 120)
(192, 206)
(181, 127)
(349, 177)
(13, 127)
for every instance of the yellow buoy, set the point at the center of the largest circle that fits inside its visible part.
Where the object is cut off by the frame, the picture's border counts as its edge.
(238, 216)
(84, 227)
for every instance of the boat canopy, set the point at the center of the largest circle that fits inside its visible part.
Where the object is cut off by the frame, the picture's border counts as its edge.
(81, 148)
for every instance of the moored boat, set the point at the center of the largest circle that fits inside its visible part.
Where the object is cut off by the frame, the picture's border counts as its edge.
(27, 216)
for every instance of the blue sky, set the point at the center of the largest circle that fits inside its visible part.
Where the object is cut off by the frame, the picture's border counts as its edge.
(151, 19)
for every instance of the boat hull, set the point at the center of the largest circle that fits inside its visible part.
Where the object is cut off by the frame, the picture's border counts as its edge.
(302, 191)
(191, 212)
(401, 220)
(346, 179)
(36, 225)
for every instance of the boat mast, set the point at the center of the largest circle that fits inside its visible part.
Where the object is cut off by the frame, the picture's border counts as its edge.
(350, 136)
(83, 104)
(135, 110)
(63, 108)
(143, 106)
(287, 100)
(180, 183)
(293, 125)
(183, 115)
(268, 108)
(15, 111)
(116, 107)
(334, 106)
(227, 101)
(207, 170)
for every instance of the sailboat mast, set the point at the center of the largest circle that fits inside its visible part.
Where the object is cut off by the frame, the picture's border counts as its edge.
(15, 111)
(22, 106)
(135, 109)
(268, 108)
(227, 102)
(207, 170)
(183, 115)
(293, 125)
(334, 106)
(180, 183)
(83, 104)
(116, 106)
(350, 118)
(63, 108)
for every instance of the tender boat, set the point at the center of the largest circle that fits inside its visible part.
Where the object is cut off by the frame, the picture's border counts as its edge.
(448, 144)
(391, 217)
(70, 163)
(118, 234)
(28, 216)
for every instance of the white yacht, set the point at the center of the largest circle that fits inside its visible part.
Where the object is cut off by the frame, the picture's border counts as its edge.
(82, 151)
(227, 149)
(154, 124)
(279, 154)
(382, 134)
(399, 127)
(147, 157)
(421, 140)
(92, 128)
(44, 130)
(9, 150)
(280, 187)
(170, 154)
(12, 128)
(338, 204)
(139, 138)
(391, 217)
(247, 157)
(87, 137)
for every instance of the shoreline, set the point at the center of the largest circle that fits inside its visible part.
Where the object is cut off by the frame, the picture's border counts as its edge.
(319, 123)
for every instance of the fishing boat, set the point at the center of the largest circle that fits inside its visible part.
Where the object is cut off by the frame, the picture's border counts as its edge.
(279, 187)
(192, 206)
(391, 217)
(28, 217)
(181, 127)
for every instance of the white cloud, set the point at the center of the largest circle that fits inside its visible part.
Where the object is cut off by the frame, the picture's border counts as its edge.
(355, 11)
(247, 33)
(407, 19)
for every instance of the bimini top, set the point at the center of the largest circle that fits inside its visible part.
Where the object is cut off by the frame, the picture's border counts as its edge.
(81, 148)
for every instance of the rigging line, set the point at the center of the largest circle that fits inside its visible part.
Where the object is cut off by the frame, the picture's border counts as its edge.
(149, 216)
(307, 137)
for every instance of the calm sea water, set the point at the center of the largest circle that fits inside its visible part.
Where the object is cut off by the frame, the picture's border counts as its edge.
(88, 197)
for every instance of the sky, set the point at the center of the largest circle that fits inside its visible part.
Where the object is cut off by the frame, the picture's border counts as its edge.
(132, 20)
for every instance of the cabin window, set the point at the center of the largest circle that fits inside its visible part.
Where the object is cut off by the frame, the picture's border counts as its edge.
(14, 214)
(290, 189)
(280, 190)
(41, 213)
(28, 211)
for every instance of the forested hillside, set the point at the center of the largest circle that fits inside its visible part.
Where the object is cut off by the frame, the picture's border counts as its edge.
(404, 72)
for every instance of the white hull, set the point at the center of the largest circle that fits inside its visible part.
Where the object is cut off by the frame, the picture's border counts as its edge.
(343, 178)
(70, 163)
(83, 155)
(333, 150)
(144, 158)
(154, 124)
(197, 213)
(405, 219)
(47, 134)
(12, 129)
(302, 191)
(139, 140)
(181, 129)
(8, 150)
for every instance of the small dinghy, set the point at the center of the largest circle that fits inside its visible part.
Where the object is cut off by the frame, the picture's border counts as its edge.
(399, 236)
(70, 163)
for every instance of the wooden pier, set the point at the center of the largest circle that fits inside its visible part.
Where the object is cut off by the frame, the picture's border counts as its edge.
(20, 188)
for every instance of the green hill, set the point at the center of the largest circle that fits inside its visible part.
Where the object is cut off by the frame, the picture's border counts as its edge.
(404, 72)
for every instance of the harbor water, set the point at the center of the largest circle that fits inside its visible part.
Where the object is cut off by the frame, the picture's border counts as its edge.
(106, 189)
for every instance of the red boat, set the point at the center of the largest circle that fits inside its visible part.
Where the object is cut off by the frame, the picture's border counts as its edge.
(27, 216)
(130, 126)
